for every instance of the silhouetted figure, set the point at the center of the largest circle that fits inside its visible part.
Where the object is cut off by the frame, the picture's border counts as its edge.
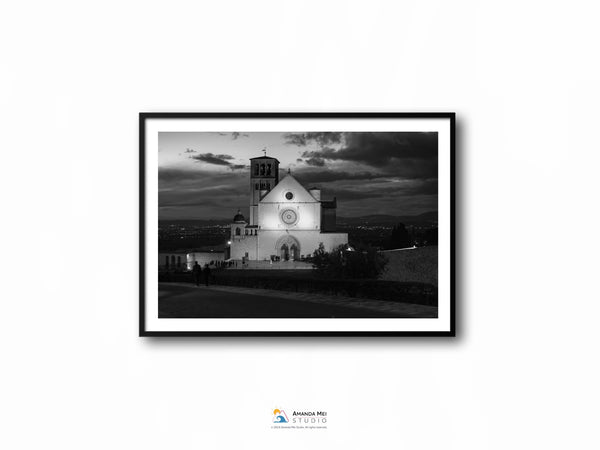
(197, 271)
(206, 274)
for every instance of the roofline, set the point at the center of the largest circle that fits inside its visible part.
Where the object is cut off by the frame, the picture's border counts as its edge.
(264, 157)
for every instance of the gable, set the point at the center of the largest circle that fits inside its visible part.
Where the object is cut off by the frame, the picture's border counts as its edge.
(288, 185)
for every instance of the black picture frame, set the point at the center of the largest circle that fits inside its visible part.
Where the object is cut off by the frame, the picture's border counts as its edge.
(144, 116)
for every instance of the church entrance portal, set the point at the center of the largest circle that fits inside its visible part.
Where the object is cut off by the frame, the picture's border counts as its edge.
(295, 254)
(286, 253)
(288, 248)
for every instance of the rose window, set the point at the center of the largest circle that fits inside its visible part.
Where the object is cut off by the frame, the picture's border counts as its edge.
(289, 217)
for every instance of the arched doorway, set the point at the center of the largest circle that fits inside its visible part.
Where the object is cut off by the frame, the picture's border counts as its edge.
(288, 248)
(294, 253)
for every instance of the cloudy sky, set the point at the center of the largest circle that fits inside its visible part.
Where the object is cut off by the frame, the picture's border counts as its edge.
(206, 175)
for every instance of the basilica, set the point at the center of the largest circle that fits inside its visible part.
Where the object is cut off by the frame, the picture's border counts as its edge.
(286, 222)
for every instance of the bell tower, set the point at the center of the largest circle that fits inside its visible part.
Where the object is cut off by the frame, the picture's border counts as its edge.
(264, 176)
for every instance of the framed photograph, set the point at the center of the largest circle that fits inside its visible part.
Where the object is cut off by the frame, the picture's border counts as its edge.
(299, 224)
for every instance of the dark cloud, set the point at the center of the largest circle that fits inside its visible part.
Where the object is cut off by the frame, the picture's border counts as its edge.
(174, 178)
(354, 194)
(369, 173)
(303, 139)
(317, 162)
(209, 158)
(387, 190)
(408, 154)
(200, 193)
(171, 175)
(219, 160)
(309, 176)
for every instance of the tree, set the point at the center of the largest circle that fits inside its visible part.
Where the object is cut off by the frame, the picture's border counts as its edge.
(431, 237)
(400, 237)
(347, 262)
(320, 258)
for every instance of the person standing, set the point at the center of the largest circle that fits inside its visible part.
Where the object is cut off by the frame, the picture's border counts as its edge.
(197, 271)
(206, 274)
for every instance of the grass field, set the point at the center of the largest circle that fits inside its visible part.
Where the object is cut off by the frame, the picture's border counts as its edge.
(419, 264)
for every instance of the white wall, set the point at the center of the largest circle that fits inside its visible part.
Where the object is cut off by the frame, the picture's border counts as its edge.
(203, 258)
(308, 240)
(308, 210)
(240, 245)
(162, 259)
(521, 75)
(308, 216)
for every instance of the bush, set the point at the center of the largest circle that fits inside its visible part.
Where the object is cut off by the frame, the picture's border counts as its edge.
(407, 292)
(347, 262)
(305, 281)
(419, 264)
(400, 237)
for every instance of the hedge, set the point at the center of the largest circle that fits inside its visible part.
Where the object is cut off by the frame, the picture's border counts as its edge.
(395, 291)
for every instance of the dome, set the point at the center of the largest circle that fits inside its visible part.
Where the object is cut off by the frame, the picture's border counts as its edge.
(239, 217)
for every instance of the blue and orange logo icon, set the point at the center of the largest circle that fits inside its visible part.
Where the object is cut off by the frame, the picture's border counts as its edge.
(279, 416)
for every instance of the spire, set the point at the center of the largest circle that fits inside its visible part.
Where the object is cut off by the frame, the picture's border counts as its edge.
(264, 150)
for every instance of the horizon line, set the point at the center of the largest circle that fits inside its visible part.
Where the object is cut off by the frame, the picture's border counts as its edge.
(343, 217)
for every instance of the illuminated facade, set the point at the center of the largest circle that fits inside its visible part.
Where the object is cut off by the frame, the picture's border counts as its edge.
(203, 258)
(287, 221)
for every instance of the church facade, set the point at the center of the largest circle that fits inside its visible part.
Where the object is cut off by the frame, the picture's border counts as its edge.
(286, 221)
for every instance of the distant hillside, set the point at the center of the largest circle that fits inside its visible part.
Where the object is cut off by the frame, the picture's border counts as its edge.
(196, 222)
(428, 218)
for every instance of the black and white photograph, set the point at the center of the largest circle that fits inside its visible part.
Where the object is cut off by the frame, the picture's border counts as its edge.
(300, 225)
(315, 225)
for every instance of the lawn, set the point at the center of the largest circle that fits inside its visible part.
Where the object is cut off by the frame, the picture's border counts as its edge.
(419, 264)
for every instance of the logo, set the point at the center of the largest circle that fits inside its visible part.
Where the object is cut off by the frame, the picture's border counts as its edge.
(299, 419)
(279, 416)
